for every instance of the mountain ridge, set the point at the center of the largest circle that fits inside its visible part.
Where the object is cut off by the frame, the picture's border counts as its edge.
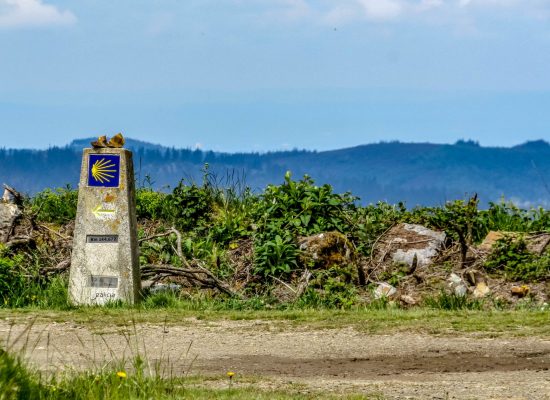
(416, 173)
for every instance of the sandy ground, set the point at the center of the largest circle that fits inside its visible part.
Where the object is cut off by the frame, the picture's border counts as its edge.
(397, 366)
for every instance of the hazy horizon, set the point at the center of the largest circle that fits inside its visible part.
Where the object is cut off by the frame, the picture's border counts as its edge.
(260, 75)
(153, 143)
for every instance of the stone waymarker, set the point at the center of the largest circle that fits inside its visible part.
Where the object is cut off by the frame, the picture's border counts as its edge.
(105, 263)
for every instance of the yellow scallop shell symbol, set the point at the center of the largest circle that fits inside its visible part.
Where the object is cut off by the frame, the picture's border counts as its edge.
(102, 170)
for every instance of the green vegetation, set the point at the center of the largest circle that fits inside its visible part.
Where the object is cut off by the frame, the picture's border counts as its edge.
(527, 320)
(18, 382)
(252, 243)
(57, 206)
(511, 257)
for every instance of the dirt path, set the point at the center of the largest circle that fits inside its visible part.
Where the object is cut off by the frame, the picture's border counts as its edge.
(338, 360)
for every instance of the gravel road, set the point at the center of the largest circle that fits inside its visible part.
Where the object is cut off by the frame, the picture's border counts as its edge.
(280, 355)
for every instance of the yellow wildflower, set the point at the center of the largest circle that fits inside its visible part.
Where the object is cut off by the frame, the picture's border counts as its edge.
(121, 374)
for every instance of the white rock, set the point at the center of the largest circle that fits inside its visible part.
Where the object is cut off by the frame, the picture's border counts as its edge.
(457, 284)
(425, 244)
(8, 214)
(384, 290)
(481, 290)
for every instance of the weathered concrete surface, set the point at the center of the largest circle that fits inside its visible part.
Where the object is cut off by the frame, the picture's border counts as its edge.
(104, 262)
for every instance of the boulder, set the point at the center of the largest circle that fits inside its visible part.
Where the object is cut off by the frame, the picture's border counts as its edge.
(9, 213)
(457, 285)
(384, 290)
(404, 243)
(326, 250)
(520, 291)
(481, 290)
(536, 242)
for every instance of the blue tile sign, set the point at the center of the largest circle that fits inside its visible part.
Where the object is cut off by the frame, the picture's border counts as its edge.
(104, 170)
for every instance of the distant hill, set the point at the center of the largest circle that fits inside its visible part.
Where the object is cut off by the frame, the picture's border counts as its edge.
(417, 173)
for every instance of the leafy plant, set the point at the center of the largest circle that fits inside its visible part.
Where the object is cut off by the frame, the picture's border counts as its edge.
(295, 208)
(461, 221)
(151, 204)
(511, 258)
(57, 206)
(189, 206)
(304, 208)
(276, 257)
(12, 280)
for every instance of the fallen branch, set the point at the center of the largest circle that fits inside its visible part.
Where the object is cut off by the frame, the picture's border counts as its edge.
(59, 268)
(18, 242)
(198, 275)
(284, 283)
(54, 232)
(192, 270)
(304, 283)
(168, 233)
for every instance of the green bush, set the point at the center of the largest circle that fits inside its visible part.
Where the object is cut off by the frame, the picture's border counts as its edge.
(276, 257)
(57, 206)
(303, 208)
(511, 259)
(151, 205)
(12, 280)
(461, 220)
(295, 208)
(190, 206)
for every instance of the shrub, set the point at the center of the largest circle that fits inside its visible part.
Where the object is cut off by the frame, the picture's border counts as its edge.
(57, 206)
(189, 206)
(292, 209)
(276, 257)
(303, 208)
(511, 258)
(151, 205)
(459, 219)
(12, 280)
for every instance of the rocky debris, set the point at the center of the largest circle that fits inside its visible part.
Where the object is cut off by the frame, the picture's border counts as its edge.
(409, 244)
(407, 300)
(536, 242)
(479, 281)
(520, 291)
(165, 288)
(457, 285)
(481, 290)
(384, 290)
(9, 214)
(325, 250)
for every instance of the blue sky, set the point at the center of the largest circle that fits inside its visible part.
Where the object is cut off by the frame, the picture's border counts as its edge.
(256, 75)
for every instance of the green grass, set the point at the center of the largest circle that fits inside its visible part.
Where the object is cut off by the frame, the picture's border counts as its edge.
(420, 320)
(17, 382)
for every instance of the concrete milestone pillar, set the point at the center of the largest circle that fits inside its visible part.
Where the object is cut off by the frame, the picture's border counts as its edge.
(105, 263)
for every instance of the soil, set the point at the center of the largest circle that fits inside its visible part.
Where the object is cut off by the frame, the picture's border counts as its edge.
(280, 355)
